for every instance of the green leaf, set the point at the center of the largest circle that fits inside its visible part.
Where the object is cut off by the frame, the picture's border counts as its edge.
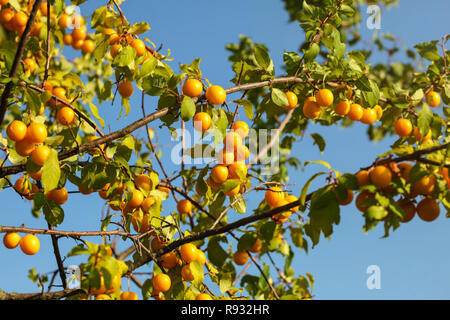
(428, 50)
(239, 205)
(324, 163)
(230, 184)
(267, 230)
(94, 111)
(262, 56)
(187, 108)
(376, 212)
(248, 107)
(53, 212)
(425, 119)
(312, 52)
(363, 84)
(139, 28)
(324, 211)
(305, 188)
(216, 254)
(147, 289)
(279, 97)
(77, 250)
(125, 57)
(247, 241)
(148, 67)
(51, 172)
(225, 282)
(319, 141)
(197, 271)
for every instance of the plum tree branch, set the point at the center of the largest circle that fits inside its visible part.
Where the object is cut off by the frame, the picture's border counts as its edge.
(416, 156)
(4, 229)
(13, 169)
(57, 295)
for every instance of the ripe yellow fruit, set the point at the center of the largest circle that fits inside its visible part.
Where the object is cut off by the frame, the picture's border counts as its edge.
(139, 46)
(241, 127)
(428, 209)
(291, 198)
(186, 273)
(60, 196)
(162, 282)
(342, 108)
(203, 296)
(189, 252)
(29, 244)
(16, 130)
(30, 64)
(143, 181)
(136, 199)
(219, 173)
(232, 141)
(184, 206)
(379, 111)
(128, 295)
(292, 100)
(147, 203)
(125, 89)
(424, 186)
(19, 20)
(64, 20)
(225, 157)
(24, 147)
(403, 127)
(311, 109)
(79, 34)
(11, 240)
(216, 95)
(408, 208)
(236, 168)
(115, 50)
(257, 246)
(77, 44)
(356, 112)
(240, 257)
(418, 135)
(433, 99)
(362, 177)
(361, 199)
(201, 258)
(40, 155)
(234, 191)
(380, 176)
(169, 260)
(324, 97)
(369, 116)
(88, 46)
(348, 200)
(202, 121)
(274, 196)
(192, 88)
(65, 116)
(242, 153)
(36, 132)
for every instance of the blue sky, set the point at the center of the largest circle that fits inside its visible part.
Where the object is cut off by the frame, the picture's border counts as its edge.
(414, 261)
